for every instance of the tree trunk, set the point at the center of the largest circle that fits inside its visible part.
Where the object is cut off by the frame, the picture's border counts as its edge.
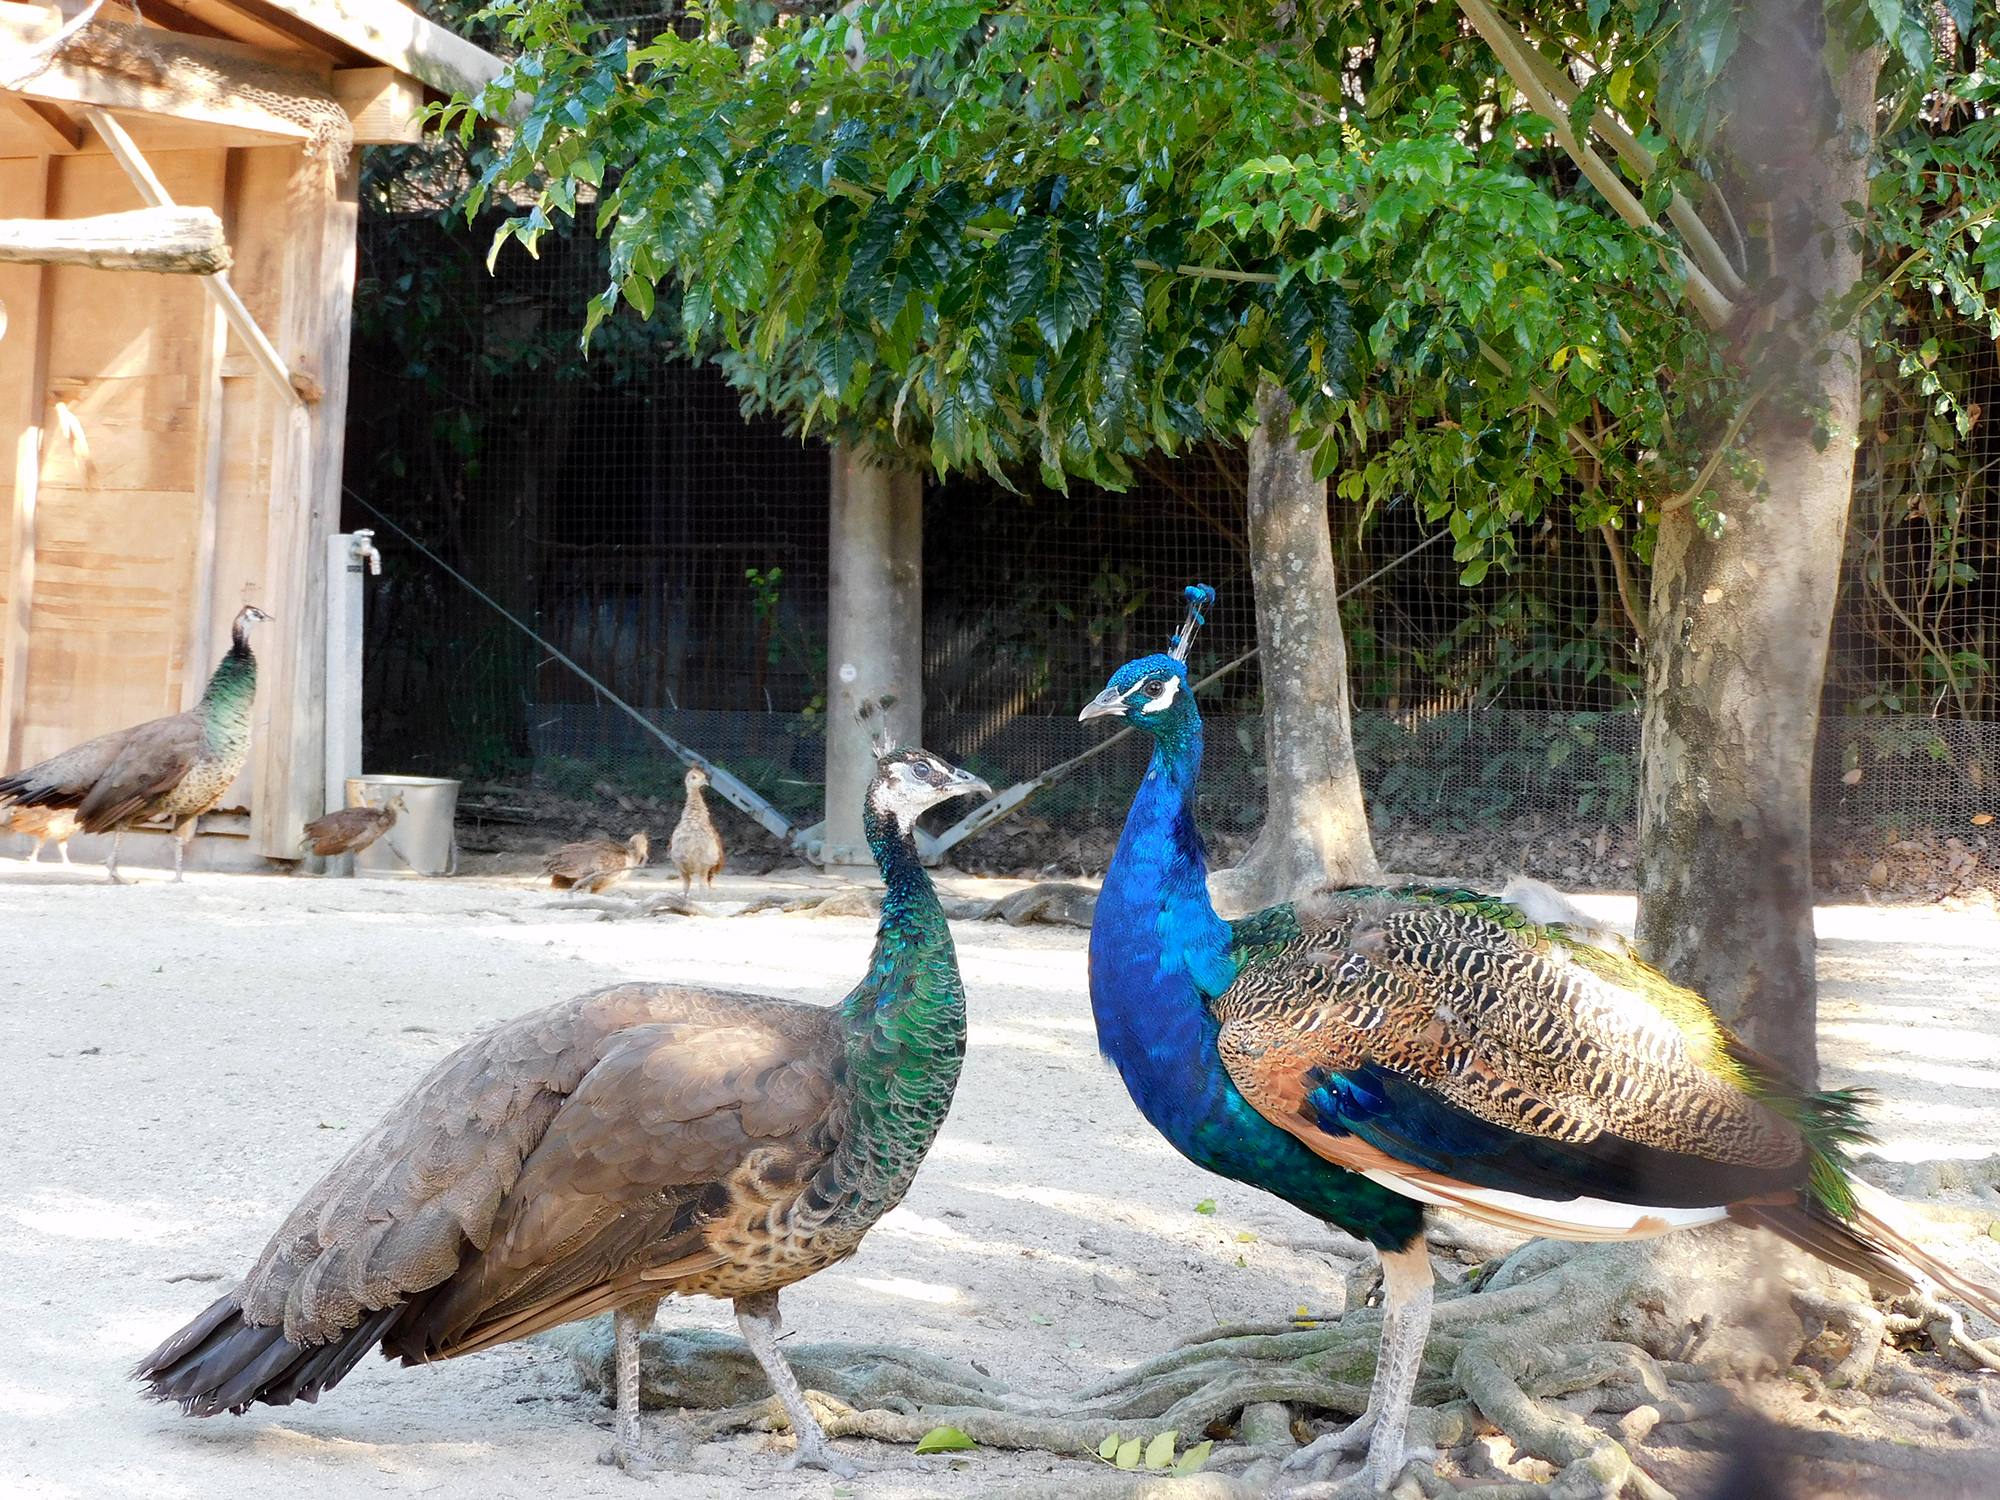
(1737, 632)
(1315, 824)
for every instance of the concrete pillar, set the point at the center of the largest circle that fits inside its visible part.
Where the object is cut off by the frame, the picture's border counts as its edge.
(875, 632)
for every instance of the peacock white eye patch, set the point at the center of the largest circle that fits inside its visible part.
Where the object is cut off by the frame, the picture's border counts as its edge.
(1169, 689)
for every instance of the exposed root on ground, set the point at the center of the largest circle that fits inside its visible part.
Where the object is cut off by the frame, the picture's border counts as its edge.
(1547, 1377)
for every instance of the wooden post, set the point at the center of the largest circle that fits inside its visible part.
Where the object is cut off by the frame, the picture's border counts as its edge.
(305, 498)
(32, 321)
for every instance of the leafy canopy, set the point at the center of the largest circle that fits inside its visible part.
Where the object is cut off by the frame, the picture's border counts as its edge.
(992, 236)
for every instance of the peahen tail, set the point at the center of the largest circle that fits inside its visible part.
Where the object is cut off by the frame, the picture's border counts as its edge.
(221, 1363)
(1876, 1245)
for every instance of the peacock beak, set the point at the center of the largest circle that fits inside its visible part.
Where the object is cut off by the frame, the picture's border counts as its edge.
(1109, 703)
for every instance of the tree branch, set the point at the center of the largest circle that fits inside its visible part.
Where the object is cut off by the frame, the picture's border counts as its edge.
(1513, 52)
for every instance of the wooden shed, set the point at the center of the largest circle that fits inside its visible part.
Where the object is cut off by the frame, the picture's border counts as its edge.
(170, 442)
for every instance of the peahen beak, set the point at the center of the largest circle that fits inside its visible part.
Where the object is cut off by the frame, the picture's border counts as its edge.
(964, 784)
(1109, 703)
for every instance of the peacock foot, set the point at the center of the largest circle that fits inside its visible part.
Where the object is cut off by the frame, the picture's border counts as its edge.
(1353, 1438)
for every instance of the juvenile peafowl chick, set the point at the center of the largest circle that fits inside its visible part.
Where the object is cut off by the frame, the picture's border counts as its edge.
(175, 768)
(595, 865)
(1363, 1053)
(639, 1142)
(43, 824)
(695, 848)
(349, 830)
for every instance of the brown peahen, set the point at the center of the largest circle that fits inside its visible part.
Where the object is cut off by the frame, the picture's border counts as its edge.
(639, 1142)
(349, 830)
(595, 865)
(695, 848)
(175, 768)
(44, 825)
(1364, 1053)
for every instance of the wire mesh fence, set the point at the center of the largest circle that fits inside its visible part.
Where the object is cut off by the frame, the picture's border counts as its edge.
(623, 507)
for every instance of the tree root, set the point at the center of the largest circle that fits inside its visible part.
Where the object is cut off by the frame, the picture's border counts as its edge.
(1571, 1353)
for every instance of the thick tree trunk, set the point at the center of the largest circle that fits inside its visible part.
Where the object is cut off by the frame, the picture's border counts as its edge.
(1315, 825)
(1737, 634)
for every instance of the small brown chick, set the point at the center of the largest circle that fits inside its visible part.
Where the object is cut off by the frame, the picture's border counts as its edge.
(42, 824)
(353, 829)
(595, 865)
(696, 848)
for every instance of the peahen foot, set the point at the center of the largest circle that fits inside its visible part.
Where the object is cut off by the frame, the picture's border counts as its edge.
(816, 1452)
(758, 1319)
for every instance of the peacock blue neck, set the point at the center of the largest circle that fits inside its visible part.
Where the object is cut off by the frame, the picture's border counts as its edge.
(1158, 954)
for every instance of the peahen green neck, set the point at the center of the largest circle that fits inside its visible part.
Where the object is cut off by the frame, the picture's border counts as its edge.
(905, 1025)
(225, 702)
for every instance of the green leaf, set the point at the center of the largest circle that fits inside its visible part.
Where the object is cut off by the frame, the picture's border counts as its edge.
(1206, 1206)
(944, 1440)
(1108, 1449)
(1128, 1454)
(1192, 1460)
(1160, 1452)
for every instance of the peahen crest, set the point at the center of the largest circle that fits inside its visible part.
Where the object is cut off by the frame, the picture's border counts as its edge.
(872, 714)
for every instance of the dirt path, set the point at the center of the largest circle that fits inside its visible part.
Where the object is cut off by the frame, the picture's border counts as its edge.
(185, 1061)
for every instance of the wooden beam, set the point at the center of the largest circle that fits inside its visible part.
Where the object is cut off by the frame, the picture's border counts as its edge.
(217, 286)
(183, 77)
(393, 33)
(58, 134)
(383, 103)
(319, 267)
(182, 240)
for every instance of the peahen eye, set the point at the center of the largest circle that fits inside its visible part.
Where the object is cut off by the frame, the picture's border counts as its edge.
(923, 772)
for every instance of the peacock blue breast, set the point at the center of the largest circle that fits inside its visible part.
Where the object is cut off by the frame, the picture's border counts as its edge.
(1158, 952)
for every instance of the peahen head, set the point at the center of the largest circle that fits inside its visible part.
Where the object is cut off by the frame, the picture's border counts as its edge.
(909, 782)
(695, 779)
(1154, 693)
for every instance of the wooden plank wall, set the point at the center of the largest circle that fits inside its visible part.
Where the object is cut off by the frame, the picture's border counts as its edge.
(194, 488)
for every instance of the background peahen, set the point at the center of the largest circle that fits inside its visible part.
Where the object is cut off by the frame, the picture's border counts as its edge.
(175, 768)
(43, 824)
(695, 848)
(350, 830)
(609, 1151)
(595, 865)
(1366, 1052)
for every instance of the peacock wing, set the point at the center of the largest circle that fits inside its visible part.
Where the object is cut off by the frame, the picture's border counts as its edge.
(1429, 1041)
(681, 1128)
(65, 780)
(150, 763)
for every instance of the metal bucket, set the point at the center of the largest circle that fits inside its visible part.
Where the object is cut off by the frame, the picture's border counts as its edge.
(423, 841)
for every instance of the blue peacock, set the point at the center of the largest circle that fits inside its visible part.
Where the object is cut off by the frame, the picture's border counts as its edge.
(1365, 1052)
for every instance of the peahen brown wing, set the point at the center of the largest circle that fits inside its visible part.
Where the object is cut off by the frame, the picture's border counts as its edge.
(632, 1141)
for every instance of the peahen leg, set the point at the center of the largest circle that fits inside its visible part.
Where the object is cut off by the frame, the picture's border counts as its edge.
(111, 859)
(758, 1318)
(627, 1323)
(1406, 1325)
(183, 832)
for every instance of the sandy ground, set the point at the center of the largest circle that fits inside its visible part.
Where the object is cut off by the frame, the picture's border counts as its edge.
(185, 1061)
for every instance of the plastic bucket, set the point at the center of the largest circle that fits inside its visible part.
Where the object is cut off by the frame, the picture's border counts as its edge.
(423, 842)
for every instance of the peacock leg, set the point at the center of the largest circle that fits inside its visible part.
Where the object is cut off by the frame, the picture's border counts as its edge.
(627, 1323)
(1406, 1323)
(758, 1318)
(111, 859)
